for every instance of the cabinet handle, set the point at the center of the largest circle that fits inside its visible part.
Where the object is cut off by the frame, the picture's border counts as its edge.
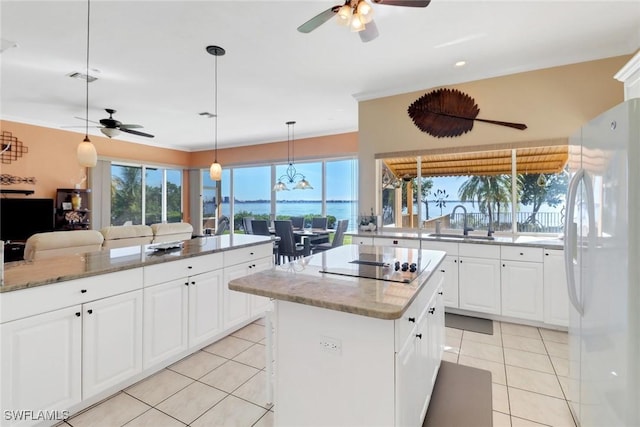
(250, 266)
(78, 314)
(186, 283)
(189, 267)
(419, 336)
(193, 283)
(253, 265)
(432, 310)
(521, 253)
(455, 260)
(443, 271)
(460, 261)
(412, 319)
(83, 291)
(250, 253)
(395, 242)
(546, 254)
(504, 265)
(89, 311)
(440, 293)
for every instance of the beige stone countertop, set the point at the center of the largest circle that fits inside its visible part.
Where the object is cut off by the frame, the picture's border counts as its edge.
(302, 281)
(27, 274)
(545, 241)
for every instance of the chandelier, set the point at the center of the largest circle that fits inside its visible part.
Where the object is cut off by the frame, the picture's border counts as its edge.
(355, 14)
(291, 175)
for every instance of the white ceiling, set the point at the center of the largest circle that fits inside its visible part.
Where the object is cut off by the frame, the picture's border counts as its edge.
(155, 71)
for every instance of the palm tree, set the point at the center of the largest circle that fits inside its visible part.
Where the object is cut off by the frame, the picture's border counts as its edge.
(490, 192)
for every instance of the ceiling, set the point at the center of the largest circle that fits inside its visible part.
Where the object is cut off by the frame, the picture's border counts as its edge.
(154, 70)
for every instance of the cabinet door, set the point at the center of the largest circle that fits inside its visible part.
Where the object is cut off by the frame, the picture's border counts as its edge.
(205, 297)
(165, 321)
(258, 304)
(236, 304)
(450, 288)
(522, 290)
(479, 284)
(111, 341)
(41, 361)
(407, 382)
(556, 298)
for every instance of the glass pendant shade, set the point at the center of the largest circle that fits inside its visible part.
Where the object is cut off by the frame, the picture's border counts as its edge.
(215, 171)
(303, 184)
(110, 132)
(365, 11)
(357, 24)
(344, 15)
(87, 154)
(280, 186)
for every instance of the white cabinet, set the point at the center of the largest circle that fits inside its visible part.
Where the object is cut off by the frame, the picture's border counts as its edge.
(479, 278)
(165, 321)
(556, 298)
(408, 382)
(41, 361)
(239, 306)
(361, 240)
(522, 290)
(111, 341)
(205, 302)
(449, 267)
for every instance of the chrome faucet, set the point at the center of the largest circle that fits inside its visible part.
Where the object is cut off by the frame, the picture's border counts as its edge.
(465, 228)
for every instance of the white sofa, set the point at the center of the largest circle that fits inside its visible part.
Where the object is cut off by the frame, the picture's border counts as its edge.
(119, 236)
(56, 243)
(171, 232)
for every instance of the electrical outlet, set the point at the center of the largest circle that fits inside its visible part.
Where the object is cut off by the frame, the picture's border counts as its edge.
(331, 345)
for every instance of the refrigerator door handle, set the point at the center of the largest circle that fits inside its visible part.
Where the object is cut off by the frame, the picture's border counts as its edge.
(570, 239)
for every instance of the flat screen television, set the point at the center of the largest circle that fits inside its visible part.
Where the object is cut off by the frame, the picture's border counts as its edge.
(20, 218)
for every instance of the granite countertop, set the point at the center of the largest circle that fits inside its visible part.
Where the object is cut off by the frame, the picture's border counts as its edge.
(545, 242)
(27, 274)
(302, 281)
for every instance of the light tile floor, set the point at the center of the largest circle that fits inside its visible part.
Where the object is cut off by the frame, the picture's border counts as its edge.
(224, 384)
(529, 368)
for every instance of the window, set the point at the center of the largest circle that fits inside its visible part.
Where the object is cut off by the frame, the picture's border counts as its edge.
(251, 191)
(145, 195)
(477, 189)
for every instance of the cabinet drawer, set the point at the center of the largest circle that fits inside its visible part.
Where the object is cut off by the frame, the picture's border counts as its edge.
(448, 247)
(41, 299)
(390, 241)
(521, 253)
(181, 268)
(479, 250)
(237, 256)
(359, 240)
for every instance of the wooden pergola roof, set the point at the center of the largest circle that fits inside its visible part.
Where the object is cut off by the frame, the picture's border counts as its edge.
(549, 159)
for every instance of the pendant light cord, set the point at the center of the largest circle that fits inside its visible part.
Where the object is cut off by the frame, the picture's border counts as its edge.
(215, 97)
(86, 111)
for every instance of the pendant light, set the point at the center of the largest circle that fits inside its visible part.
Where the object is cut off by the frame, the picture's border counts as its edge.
(215, 171)
(291, 174)
(87, 155)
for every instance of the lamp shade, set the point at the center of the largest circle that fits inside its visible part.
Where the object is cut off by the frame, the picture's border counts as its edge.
(87, 154)
(303, 184)
(215, 171)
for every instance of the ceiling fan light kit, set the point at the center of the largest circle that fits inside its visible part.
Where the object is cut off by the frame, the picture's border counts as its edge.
(215, 170)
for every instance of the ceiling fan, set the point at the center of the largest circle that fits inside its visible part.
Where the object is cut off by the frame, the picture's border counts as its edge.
(358, 15)
(112, 127)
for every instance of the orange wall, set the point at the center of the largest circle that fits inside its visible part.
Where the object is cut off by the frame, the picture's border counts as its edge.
(345, 144)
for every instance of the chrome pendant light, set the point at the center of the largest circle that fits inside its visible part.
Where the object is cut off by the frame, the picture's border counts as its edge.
(215, 171)
(87, 155)
(291, 175)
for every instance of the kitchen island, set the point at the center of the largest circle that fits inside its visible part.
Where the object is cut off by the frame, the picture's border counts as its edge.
(358, 338)
(77, 328)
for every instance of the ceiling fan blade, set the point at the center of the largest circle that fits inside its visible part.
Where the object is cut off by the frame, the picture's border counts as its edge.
(370, 32)
(136, 132)
(319, 19)
(407, 3)
(85, 120)
(130, 126)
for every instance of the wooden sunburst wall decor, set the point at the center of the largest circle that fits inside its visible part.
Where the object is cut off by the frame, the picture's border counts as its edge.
(448, 113)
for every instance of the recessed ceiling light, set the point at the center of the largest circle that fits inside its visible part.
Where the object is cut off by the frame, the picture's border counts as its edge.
(461, 63)
(82, 76)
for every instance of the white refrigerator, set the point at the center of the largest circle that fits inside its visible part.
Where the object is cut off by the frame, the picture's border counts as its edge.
(602, 255)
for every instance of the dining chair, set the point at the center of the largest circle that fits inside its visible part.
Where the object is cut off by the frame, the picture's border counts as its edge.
(297, 222)
(246, 224)
(287, 246)
(338, 238)
(223, 225)
(319, 222)
(260, 227)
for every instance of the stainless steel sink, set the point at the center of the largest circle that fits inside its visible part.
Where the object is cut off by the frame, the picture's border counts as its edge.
(461, 236)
